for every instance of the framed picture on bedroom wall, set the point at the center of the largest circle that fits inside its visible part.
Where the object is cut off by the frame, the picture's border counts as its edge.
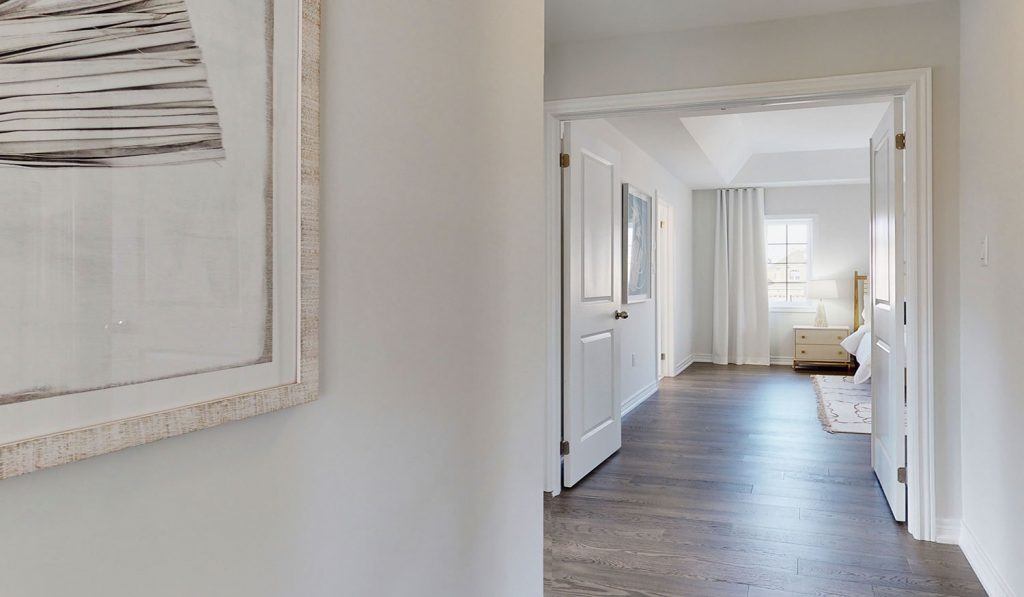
(159, 223)
(637, 245)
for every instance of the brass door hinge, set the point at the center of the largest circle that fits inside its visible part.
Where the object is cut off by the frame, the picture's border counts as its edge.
(663, 356)
(901, 475)
(563, 160)
(661, 224)
(565, 448)
(901, 140)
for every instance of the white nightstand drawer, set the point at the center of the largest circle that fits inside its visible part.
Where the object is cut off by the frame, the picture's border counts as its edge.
(821, 353)
(820, 336)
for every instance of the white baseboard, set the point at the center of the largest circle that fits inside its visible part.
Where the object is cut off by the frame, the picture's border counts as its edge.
(683, 365)
(637, 399)
(994, 583)
(693, 358)
(707, 358)
(947, 530)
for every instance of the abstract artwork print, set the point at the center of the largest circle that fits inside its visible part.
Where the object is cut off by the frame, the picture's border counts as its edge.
(137, 195)
(107, 83)
(638, 243)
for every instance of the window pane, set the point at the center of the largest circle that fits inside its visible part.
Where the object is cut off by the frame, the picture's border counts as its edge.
(777, 274)
(797, 273)
(775, 233)
(797, 254)
(776, 253)
(788, 255)
(798, 234)
(777, 292)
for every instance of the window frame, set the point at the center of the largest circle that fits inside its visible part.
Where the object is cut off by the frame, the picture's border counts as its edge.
(807, 305)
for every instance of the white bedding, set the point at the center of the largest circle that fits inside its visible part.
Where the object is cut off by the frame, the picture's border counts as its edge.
(859, 345)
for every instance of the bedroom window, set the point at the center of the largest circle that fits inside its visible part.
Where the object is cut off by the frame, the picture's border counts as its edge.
(789, 262)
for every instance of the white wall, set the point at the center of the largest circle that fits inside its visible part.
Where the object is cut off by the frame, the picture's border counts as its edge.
(419, 472)
(683, 294)
(991, 323)
(841, 217)
(639, 332)
(704, 217)
(841, 246)
(911, 36)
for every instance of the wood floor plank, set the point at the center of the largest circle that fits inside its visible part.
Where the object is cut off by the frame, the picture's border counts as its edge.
(897, 580)
(726, 485)
(591, 580)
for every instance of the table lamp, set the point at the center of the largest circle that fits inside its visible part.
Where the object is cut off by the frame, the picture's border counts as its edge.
(822, 289)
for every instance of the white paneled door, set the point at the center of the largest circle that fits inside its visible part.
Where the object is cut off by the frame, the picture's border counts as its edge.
(888, 383)
(592, 245)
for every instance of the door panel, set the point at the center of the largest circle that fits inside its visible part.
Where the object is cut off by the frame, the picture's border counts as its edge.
(598, 397)
(882, 212)
(597, 195)
(592, 216)
(888, 384)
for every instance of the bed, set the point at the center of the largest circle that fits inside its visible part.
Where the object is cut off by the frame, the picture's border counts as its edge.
(859, 342)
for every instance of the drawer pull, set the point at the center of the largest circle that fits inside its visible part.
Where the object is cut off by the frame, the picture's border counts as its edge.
(803, 352)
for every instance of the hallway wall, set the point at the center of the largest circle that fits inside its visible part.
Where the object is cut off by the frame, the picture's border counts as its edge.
(419, 472)
(991, 322)
(916, 35)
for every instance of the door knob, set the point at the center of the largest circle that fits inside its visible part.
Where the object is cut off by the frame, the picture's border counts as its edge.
(621, 315)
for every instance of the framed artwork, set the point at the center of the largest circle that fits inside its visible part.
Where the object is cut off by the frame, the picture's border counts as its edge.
(637, 245)
(159, 239)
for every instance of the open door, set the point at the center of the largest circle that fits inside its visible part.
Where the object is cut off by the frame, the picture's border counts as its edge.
(888, 383)
(591, 288)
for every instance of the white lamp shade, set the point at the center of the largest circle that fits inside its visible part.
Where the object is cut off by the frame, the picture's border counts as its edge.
(823, 289)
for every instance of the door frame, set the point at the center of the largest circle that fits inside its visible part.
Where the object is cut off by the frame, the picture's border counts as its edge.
(915, 86)
(664, 282)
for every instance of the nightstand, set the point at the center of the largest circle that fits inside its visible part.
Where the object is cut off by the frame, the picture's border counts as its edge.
(820, 346)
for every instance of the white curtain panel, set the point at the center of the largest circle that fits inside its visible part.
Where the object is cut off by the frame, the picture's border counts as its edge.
(740, 333)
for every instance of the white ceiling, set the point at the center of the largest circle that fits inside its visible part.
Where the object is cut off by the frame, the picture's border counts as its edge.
(820, 145)
(578, 20)
(809, 129)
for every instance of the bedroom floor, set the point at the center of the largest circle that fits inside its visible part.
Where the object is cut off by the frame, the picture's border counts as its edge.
(726, 485)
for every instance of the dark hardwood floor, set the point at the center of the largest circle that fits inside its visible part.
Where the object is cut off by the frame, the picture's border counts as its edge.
(726, 485)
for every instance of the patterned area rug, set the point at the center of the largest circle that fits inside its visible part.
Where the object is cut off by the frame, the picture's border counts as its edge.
(843, 406)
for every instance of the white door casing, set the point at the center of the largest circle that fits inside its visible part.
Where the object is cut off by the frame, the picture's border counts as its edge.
(915, 87)
(665, 282)
(888, 353)
(592, 245)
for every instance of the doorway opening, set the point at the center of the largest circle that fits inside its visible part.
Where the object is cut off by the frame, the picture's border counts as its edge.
(910, 229)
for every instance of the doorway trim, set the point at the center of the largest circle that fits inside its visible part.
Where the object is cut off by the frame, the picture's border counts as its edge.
(915, 86)
(665, 287)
